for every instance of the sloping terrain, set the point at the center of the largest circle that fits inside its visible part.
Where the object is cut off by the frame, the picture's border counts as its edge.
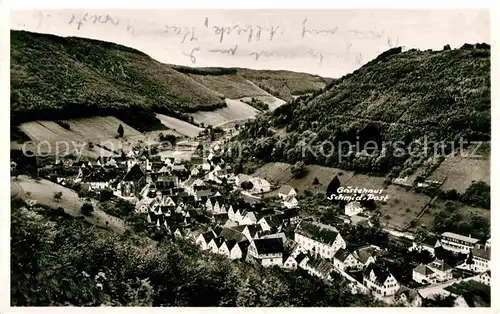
(236, 110)
(49, 137)
(231, 86)
(284, 84)
(74, 77)
(179, 126)
(405, 102)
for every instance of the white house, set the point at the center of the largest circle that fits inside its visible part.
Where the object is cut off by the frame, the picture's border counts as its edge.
(488, 243)
(481, 258)
(267, 251)
(285, 191)
(343, 260)
(442, 270)
(208, 205)
(289, 262)
(428, 245)
(380, 281)
(290, 202)
(423, 274)
(215, 244)
(231, 249)
(457, 243)
(204, 239)
(353, 208)
(485, 278)
(319, 239)
(250, 218)
(269, 222)
(260, 185)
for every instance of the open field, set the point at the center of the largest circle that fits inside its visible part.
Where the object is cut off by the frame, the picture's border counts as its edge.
(231, 86)
(235, 110)
(179, 126)
(402, 206)
(272, 101)
(51, 138)
(438, 205)
(280, 173)
(459, 171)
(43, 191)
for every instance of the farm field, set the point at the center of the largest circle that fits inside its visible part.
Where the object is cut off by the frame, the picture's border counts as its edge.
(402, 206)
(231, 86)
(50, 138)
(280, 173)
(459, 171)
(43, 192)
(178, 126)
(464, 210)
(235, 110)
(272, 101)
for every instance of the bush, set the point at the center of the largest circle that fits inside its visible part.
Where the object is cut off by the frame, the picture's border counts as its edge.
(105, 195)
(246, 185)
(299, 170)
(87, 209)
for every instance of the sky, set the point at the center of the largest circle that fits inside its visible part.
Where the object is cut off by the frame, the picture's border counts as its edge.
(327, 42)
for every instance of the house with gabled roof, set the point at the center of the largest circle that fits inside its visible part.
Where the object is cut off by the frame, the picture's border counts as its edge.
(232, 234)
(290, 202)
(285, 191)
(251, 232)
(423, 274)
(204, 239)
(428, 244)
(344, 259)
(267, 252)
(215, 244)
(367, 254)
(250, 218)
(233, 249)
(442, 270)
(320, 267)
(485, 278)
(481, 257)
(380, 281)
(353, 208)
(319, 239)
(289, 261)
(293, 247)
(268, 223)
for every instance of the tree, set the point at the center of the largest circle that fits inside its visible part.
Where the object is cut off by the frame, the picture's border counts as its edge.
(299, 170)
(106, 195)
(120, 130)
(87, 209)
(316, 181)
(57, 196)
(246, 185)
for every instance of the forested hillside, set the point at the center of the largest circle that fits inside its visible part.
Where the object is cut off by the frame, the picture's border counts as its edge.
(399, 98)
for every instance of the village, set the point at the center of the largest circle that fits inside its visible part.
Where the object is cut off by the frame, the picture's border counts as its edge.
(197, 197)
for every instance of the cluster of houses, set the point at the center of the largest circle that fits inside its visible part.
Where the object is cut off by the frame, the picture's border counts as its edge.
(183, 197)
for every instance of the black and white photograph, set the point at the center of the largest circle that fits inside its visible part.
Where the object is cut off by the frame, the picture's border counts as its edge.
(320, 157)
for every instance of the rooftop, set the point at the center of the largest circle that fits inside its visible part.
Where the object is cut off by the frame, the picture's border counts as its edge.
(319, 232)
(269, 246)
(459, 237)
